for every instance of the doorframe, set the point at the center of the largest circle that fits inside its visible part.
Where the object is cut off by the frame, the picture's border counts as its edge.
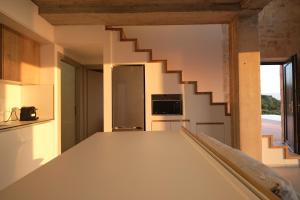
(144, 74)
(283, 118)
(293, 59)
(296, 97)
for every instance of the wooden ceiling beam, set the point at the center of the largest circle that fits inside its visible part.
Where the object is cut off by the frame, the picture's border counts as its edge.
(158, 18)
(254, 4)
(137, 8)
(145, 12)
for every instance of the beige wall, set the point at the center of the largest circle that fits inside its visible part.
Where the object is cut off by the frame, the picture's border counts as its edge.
(279, 30)
(197, 50)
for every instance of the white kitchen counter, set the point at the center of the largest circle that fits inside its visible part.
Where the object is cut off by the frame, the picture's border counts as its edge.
(133, 166)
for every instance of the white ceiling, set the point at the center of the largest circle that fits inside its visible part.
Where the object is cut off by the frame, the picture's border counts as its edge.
(83, 43)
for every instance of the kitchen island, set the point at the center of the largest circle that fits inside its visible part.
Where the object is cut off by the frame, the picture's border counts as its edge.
(134, 166)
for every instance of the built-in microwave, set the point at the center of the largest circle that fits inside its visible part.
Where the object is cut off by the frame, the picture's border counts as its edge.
(166, 104)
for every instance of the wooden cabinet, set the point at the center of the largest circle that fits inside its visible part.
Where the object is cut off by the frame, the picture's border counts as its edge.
(169, 125)
(11, 57)
(30, 61)
(20, 57)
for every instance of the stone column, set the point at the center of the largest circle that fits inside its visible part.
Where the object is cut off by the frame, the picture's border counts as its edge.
(245, 81)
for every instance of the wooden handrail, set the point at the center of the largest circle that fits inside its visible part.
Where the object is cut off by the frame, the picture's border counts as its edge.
(171, 120)
(210, 123)
(247, 179)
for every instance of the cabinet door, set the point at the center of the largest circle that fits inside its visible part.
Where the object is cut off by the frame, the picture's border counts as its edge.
(11, 55)
(176, 126)
(30, 61)
(161, 126)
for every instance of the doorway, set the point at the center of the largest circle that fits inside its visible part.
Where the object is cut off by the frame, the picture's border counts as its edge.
(271, 100)
(94, 101)
(128, 91)
(68, 106)
(279, 97)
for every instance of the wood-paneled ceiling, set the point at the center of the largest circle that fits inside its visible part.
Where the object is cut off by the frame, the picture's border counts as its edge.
(145, 12)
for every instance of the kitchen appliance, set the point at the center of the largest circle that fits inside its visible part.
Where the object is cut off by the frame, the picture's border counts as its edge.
(128, 92)
(166, 104)
(28, 114)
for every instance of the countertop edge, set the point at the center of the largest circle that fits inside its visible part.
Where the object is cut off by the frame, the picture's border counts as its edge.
(24, 125)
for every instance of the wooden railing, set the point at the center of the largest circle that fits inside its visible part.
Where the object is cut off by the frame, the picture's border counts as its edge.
(264, 189)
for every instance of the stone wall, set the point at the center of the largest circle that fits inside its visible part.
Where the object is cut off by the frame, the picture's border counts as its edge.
(279, 29)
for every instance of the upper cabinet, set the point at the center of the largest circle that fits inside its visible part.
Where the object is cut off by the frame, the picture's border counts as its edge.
(11, 58)
(20, 57)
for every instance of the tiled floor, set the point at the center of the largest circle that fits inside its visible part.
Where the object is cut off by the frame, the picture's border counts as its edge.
(291, 174)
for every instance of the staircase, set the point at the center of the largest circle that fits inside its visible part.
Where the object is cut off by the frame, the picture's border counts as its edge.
(196, 103)
(272, 155)
(276, 155)
(165, 64)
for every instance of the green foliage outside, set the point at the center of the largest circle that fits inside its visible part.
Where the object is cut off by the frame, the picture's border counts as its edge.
(270, 105)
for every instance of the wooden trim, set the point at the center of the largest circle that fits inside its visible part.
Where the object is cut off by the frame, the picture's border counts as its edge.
(272, 63)
(94, 67)
(165, 63)
(210, 123)
(1, 52)
(234, 85)
(96, 70)
(171, 120)
(231, 166)
(244, 4)
(68, 60)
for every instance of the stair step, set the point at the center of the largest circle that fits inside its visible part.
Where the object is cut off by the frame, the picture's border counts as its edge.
(280, 145)
(291, 155)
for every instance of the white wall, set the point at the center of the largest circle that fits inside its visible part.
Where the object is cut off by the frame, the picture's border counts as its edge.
(25, 13)
(10, 96)
(197, 50)
(83, 42)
